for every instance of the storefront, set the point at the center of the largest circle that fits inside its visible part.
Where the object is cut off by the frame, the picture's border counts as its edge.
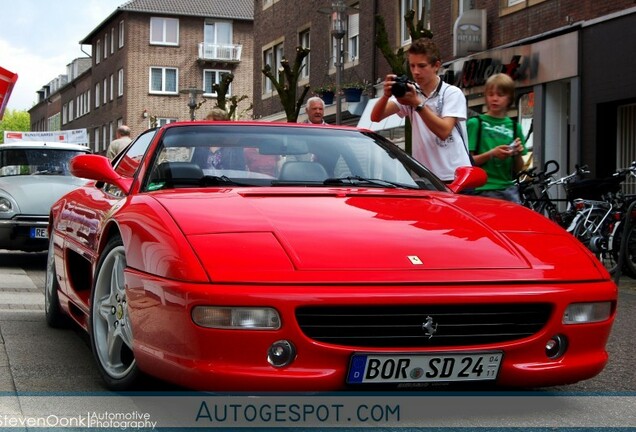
(547, 91)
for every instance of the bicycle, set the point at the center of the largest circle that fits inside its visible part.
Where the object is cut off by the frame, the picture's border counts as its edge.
(534, 191)
(602, 212)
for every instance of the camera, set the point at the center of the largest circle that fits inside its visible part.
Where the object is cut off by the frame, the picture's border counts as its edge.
(399, 87)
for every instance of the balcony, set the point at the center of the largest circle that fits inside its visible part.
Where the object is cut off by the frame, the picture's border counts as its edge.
(219, 53)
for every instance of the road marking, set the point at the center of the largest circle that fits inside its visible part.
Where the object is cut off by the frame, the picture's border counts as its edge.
(18, 292)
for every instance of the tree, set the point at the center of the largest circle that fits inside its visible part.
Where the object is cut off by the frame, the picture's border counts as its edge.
(14, 120)
(229, 105)
(286, 84)
(397, 59)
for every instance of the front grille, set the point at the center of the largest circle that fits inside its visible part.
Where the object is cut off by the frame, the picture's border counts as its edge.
(403, 326)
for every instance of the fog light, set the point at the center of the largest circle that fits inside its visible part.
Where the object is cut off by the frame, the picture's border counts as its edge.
(247, 318)
(581, 313)
(281, 353)
(556, 346)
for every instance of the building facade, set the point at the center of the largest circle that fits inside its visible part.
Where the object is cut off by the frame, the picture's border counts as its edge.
(561, 54)
(153, 62)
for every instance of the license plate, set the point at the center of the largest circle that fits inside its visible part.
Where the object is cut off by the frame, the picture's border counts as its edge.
(414, 368)
(39, 233)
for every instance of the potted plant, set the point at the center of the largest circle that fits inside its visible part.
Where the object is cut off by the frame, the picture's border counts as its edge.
(353, 91)
(326, 93)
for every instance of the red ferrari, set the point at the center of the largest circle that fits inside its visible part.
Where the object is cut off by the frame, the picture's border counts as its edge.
(245, 256)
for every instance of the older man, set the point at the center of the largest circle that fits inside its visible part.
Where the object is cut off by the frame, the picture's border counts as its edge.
(122, 139)
(315, 109)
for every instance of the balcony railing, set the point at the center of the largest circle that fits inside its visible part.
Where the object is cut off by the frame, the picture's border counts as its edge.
(220, 52)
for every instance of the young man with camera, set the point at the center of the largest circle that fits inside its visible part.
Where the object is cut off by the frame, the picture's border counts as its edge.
(437, 111)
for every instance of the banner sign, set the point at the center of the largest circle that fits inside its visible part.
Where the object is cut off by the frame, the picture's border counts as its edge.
(74, 136)
(426, 411)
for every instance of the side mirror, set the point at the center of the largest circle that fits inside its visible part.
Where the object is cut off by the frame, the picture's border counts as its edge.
(98, 168)
(468, 177)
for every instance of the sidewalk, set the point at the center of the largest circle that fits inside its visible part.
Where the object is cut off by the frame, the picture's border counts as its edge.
(627, 282)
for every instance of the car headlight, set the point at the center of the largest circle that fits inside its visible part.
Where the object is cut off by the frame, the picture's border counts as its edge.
(582, 313)
(246, 318)
(5, 205)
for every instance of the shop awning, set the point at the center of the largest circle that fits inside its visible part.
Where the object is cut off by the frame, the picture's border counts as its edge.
(7, 81)
(391, 122)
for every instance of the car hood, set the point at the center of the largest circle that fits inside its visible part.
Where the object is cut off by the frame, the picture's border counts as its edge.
(35, 194)
(373, 232)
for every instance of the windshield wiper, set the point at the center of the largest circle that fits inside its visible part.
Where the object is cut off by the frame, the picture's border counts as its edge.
(357, 180)
(54, 171)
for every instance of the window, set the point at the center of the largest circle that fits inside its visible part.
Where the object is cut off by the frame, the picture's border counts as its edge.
(161, 121)
(104, 138)
(105, 46)
(164, 31)
(415, 5)
(120, 82)
(304, 41)
(353, 37)
(105, 93)
(112, 40)
(97, 95)
(213, 77)
(96, 140)
(64, 114)
(217, 40)
(88, 101)
(510, 6)
(163, 80)
(71, 108)
(121, 34)
(272, 57)
(112, 86)
(98, 51)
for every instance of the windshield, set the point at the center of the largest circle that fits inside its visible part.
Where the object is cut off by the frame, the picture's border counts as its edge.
(248, 155)
(35, 161)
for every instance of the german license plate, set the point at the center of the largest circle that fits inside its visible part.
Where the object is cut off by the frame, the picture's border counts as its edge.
(39, 233)
(414, 368)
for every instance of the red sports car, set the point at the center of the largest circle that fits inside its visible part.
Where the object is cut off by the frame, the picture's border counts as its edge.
(247, 256)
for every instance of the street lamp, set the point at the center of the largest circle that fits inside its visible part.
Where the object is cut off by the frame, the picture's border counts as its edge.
(338, 31)
(192, 100)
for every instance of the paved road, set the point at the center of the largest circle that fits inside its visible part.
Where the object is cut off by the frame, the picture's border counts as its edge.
(34, 357)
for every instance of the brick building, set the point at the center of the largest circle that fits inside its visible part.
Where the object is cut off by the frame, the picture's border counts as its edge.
(146, 56)
(578, 112)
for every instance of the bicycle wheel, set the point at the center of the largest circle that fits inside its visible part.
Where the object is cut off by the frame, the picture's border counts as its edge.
(594, 232)
(629, 260)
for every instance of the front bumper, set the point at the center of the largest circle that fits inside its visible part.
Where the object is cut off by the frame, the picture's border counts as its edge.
(169, 345)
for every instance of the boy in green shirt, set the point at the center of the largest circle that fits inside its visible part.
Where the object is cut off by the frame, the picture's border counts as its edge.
(496, 141)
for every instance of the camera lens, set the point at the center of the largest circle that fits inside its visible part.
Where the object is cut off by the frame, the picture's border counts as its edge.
(398, 89)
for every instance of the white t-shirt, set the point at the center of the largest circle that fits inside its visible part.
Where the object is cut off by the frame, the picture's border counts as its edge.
(442, 157)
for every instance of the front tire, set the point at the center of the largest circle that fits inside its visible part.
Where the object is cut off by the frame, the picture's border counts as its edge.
(110, 332)
(54, 316)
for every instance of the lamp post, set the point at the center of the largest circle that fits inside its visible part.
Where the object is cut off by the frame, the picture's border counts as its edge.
(192, 100)
(338, 30)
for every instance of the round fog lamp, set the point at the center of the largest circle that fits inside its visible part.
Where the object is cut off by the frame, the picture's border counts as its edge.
(281, 353)
(556, 346)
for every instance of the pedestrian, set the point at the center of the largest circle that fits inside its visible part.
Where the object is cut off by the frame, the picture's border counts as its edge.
(496, 141)
(315, 110)
(223, 157)
(217, 114)
(437, 111)
(122, 139)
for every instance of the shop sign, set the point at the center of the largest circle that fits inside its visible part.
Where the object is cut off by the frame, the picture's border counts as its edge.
(469, 33)
(530, 64)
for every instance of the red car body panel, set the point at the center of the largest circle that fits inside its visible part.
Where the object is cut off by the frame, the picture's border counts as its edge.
(290, 247)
